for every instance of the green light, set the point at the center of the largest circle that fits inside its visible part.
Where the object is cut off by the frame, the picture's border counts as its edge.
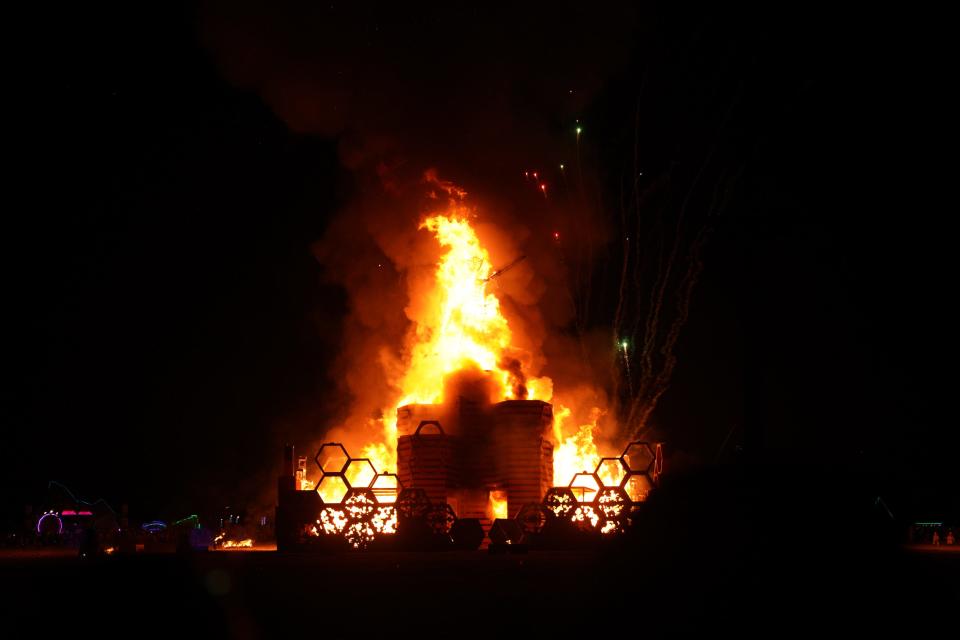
(579, 130)
(623, 345)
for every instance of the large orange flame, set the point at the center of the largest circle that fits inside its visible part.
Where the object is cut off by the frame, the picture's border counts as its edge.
(573, 454)
(468, 328)
(465, 328)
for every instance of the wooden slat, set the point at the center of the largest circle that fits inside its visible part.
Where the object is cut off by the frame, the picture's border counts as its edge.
(496, 446)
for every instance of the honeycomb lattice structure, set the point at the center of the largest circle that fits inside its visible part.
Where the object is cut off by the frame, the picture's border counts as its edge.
(362, 505)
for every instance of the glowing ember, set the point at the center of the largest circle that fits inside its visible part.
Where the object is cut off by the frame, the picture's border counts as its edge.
(359, 505)
(560, 501)
(238, 544)
(611, 502)
(332, 521)
(585, 515)
(359, 519)
(359, 534)
(385, 520)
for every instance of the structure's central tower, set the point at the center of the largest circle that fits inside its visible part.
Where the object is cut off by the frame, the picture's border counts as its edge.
(464, 452)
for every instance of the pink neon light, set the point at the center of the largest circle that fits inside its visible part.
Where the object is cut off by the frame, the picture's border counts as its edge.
(48, 515)
(85, 513)
(68, 512)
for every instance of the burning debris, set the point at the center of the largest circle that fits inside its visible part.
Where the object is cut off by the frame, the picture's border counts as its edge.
(247, 543)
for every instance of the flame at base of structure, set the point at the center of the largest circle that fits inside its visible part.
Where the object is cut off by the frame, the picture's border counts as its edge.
(602, 502)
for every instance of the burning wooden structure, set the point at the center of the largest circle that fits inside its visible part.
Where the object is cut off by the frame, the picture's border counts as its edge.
(466, 471)
(467, 419)
(475, 456)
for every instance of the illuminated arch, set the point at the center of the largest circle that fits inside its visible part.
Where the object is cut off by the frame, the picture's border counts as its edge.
(50, 514)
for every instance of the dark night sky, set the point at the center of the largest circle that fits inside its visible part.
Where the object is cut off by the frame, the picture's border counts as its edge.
(164, 313)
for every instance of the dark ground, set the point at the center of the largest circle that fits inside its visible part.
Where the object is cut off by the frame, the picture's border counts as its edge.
(263, 594)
